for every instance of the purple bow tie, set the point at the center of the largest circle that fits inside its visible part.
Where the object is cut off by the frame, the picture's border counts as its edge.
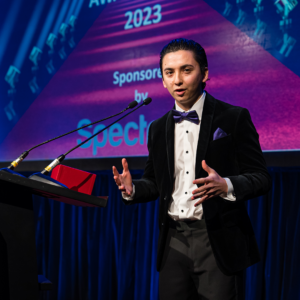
(190, 116)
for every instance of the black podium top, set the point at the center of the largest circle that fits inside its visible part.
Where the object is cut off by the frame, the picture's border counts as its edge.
(53, 192)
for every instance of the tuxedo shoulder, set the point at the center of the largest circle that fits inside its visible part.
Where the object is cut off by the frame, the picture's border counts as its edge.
(230, 111)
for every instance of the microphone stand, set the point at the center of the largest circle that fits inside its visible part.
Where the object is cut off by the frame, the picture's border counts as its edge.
(42, 176)
(16, 162)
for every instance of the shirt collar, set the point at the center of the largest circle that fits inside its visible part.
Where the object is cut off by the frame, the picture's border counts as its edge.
(198, 106)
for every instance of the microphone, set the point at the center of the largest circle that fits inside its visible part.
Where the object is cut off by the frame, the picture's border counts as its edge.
(59, 159)
(132, 104)
(147, 101)
(16, 162)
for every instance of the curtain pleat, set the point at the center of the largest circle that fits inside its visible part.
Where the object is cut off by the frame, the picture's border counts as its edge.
(110, 253)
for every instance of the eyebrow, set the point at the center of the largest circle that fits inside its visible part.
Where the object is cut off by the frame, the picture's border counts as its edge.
(182, 67)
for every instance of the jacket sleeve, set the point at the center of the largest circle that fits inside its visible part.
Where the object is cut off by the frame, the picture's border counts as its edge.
(253, 179)
(146, 188)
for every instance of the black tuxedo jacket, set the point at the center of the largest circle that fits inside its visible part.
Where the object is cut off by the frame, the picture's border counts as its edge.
(237, 156)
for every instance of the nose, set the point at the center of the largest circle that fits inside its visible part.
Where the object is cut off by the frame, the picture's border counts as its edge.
(178, 79)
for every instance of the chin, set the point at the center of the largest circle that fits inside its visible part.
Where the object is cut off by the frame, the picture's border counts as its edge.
(182, 100)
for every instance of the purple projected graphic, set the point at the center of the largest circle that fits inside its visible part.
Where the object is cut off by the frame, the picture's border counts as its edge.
(117, 62)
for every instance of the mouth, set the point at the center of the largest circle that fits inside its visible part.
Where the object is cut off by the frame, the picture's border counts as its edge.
(180, 91)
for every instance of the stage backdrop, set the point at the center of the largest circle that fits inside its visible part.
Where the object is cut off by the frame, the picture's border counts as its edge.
(72, 79)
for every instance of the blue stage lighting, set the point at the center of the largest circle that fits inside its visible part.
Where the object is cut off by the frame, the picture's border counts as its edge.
(34, 86)
(50, 68)
(71, 10)
(35, 55)
(288, 45)
(8, 25)
(48, 23)
(71, 42)
(284, 7)
(30, 31)
(258, 7)
(12, 76)
(72, 21)
(228, 8)
(62, 53)
(260, 28)
(61, 16)
(10, 112)
(241, 17)
(63, 30)
(78, 7)
(51, 40)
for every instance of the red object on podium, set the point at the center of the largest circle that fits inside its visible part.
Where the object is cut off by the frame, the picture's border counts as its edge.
(74, 179)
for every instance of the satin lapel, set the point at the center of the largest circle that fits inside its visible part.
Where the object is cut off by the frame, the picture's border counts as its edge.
(170, 127)
(205, 129)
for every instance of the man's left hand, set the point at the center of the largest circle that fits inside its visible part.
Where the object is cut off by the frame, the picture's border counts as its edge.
(214, 185)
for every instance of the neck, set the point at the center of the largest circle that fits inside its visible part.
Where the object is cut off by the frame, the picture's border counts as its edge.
(187, 106)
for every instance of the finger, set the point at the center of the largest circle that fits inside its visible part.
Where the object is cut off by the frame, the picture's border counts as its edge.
(205, 180)
(115, 171)
(203, 188)
(207, 168)
(199, 195)
(204, 198)
(117, 180)
(125, 165)
(212, 192)
(116, 176)
(207, 194)
(124, 190)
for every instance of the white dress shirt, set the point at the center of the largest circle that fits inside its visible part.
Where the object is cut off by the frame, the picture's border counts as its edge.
(186, 137)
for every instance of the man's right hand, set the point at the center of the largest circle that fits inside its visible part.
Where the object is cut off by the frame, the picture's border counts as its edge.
(124, 180)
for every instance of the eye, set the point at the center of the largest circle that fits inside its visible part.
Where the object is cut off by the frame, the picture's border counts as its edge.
(187, 70)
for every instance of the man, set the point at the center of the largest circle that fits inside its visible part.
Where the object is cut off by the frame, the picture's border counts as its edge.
(204, 161)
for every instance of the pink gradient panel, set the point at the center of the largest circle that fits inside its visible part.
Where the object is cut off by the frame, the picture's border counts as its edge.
(241, 73)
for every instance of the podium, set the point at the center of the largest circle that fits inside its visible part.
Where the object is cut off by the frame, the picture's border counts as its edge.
(18, 264)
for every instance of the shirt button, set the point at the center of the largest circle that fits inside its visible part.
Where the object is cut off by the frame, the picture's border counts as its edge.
(187, 151)
(187, 172)
(182, 210)
(185, 192)
(187, 132)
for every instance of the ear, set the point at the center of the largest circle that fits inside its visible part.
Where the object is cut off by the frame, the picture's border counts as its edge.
(164, 83)
(205, 78)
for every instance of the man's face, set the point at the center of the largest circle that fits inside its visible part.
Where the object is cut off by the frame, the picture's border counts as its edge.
(182, 77)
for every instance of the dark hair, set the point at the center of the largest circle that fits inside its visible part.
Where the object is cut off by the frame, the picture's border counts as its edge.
(185, 44)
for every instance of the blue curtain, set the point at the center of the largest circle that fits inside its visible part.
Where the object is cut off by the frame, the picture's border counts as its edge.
(110, 253)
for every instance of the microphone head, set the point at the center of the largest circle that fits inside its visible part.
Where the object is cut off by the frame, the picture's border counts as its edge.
(132, 104)
(147, 101)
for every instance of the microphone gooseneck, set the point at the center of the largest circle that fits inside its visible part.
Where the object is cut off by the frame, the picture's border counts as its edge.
(16, 162)
(58, 160)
